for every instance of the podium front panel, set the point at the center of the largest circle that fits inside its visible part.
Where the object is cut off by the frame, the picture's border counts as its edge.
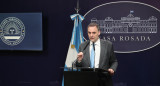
(82, 78)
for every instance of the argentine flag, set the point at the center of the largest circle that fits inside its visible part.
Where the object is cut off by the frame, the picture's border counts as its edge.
(76, 40)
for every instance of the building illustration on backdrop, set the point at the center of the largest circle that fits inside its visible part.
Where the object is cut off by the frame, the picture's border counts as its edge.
(129, 24)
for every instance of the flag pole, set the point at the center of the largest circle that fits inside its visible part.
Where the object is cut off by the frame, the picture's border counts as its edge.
(77, 8)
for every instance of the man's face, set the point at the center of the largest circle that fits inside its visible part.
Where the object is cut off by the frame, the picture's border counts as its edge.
(93, 33)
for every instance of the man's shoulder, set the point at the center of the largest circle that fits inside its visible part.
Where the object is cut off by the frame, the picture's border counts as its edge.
(106, 41)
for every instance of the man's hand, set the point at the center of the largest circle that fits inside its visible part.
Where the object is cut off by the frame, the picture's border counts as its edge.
(80, 56)
(111, 71)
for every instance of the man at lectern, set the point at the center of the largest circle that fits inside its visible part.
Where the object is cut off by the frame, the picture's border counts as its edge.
(97, 53)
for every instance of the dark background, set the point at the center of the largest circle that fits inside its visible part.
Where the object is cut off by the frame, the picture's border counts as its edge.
(31, 68)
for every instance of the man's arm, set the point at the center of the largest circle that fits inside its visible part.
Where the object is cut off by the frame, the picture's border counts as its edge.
(113, 62)
(79, 57)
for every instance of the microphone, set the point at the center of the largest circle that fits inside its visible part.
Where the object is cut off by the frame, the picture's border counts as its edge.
(86, 46)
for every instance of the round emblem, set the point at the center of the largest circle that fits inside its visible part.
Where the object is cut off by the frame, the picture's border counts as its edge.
(130, 26)
(12, 31)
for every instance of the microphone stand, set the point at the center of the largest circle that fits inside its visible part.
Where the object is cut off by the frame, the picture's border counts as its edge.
(73, 64)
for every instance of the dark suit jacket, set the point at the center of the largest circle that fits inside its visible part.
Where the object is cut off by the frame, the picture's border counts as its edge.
(107, 56)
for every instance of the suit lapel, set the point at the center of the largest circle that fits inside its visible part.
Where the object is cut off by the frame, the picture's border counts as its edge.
(102, 52)
(87, 55)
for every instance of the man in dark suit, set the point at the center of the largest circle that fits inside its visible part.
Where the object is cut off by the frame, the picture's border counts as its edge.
(104, 56)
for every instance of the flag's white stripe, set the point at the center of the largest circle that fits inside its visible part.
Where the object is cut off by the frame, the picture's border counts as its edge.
(71, 56)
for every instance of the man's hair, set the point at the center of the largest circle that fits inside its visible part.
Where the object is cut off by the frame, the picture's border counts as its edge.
(94, 24)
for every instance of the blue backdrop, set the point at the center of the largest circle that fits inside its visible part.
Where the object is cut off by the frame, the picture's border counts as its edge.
(31, 68)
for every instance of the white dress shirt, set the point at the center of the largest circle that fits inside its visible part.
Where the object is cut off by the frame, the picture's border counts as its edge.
(97, 52)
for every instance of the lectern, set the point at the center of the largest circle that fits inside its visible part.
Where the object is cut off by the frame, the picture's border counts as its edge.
(83, 76)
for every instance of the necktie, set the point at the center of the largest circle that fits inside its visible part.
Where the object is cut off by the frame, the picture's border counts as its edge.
(92, 57)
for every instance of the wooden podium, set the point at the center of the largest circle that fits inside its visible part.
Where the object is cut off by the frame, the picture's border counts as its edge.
(82, 77)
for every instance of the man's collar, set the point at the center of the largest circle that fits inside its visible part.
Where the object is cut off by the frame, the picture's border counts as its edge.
(97, 42)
